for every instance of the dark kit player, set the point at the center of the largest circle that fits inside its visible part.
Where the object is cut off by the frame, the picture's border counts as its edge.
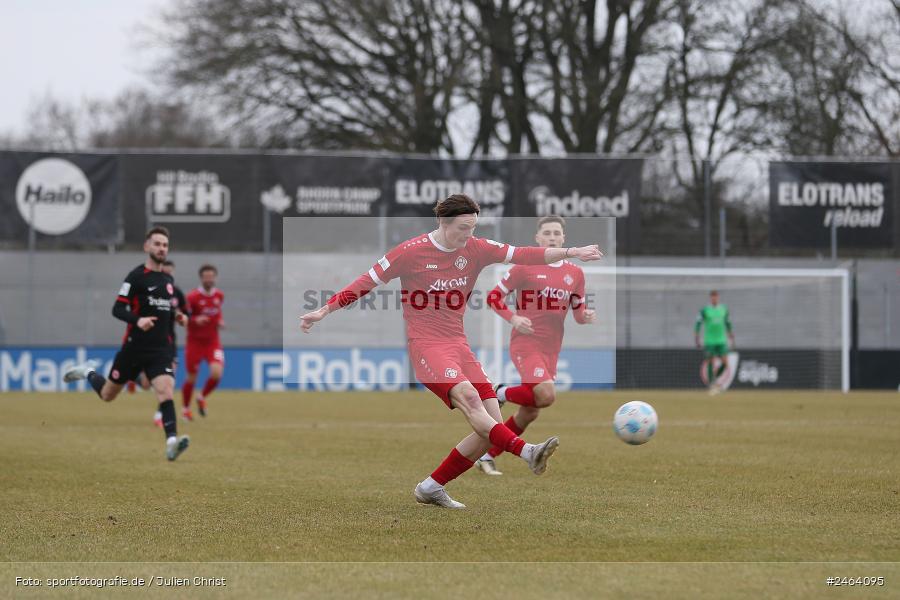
(146, 303)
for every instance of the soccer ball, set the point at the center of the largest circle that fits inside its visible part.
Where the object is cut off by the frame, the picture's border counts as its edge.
(635, 422)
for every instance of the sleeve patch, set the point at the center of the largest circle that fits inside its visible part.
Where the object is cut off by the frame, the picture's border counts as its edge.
(384, 263)
(125, 289)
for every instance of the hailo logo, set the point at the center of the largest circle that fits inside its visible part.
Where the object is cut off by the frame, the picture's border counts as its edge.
(53, 196)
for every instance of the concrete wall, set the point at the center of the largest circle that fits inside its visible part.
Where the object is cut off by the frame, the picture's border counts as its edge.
(66, 298)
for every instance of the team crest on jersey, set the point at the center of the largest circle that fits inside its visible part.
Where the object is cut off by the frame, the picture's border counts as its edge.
(170, 289)
(538, 372)
(568, 279)
(461, 263)
(451, 373)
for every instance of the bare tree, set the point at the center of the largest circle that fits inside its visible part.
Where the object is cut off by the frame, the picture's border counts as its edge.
(341, 74)
(54, 124)
(136, 119)
(720, 86)
(506, 39)
(870, 71)
(591, 53)
(133, 119)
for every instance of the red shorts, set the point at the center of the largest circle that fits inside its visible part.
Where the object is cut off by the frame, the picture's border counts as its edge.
(534, 365)
(441, 365)
(194, 354)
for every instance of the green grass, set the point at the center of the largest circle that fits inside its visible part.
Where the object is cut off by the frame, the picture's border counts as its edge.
(744, 477)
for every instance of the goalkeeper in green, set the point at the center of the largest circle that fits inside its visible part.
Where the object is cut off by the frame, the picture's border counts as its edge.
(716, 324)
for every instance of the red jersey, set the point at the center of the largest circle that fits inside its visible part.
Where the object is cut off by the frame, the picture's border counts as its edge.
(201, 302)
(435, 281)
(544, 294)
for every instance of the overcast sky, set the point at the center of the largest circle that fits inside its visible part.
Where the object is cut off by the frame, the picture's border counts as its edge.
(72, 48)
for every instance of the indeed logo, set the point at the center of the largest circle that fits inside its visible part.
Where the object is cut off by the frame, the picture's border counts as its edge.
(182, 196)
(574, 204)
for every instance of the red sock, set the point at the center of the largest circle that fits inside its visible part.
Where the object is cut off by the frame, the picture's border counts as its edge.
(512, 426)
(187, 390)
(453, 466)
(502, 437)
(523, 395)
(208, 387)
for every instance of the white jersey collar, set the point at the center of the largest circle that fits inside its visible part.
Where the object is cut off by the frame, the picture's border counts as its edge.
(437, 245)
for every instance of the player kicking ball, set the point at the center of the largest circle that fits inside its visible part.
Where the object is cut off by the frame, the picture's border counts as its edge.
(544, 294)
(205, 307)
(145, 303)
(716, 323)
(437, 273)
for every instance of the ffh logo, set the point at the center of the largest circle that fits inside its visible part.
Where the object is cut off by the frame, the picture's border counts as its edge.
(185, 197)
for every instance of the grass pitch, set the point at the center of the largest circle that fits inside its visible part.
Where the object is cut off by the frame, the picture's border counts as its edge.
(748, 484)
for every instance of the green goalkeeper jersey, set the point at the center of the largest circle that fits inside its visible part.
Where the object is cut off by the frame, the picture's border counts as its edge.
(715, 323)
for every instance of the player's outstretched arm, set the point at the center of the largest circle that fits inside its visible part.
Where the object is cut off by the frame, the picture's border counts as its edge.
(582, 253)
(585, 316)
(310, 318)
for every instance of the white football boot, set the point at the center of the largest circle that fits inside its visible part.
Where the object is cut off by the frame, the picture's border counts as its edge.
(501, 397)
(542, 454)
(438, 497)
(79, 372)
(175, 446)
(487, 466)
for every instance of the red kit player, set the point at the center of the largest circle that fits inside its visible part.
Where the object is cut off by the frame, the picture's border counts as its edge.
(437, 273)
(205, 306)
(544, 294)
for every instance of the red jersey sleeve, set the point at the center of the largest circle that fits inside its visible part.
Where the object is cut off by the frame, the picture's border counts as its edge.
(577, 300)
(490, 251)
(221, 302)
(386, 268)
(497, 296)
(511, 280)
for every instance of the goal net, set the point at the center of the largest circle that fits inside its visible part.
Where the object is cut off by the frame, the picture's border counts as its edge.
(792, 329)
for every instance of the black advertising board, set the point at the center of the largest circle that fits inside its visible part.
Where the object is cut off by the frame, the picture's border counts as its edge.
(234, 202)
(321, 186)
(67, 197)
(209, 201)
(580, 187)
(756, 369)
(807, 199)
(415, 185)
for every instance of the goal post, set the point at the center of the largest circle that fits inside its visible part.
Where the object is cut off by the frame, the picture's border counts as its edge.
(792, 326)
